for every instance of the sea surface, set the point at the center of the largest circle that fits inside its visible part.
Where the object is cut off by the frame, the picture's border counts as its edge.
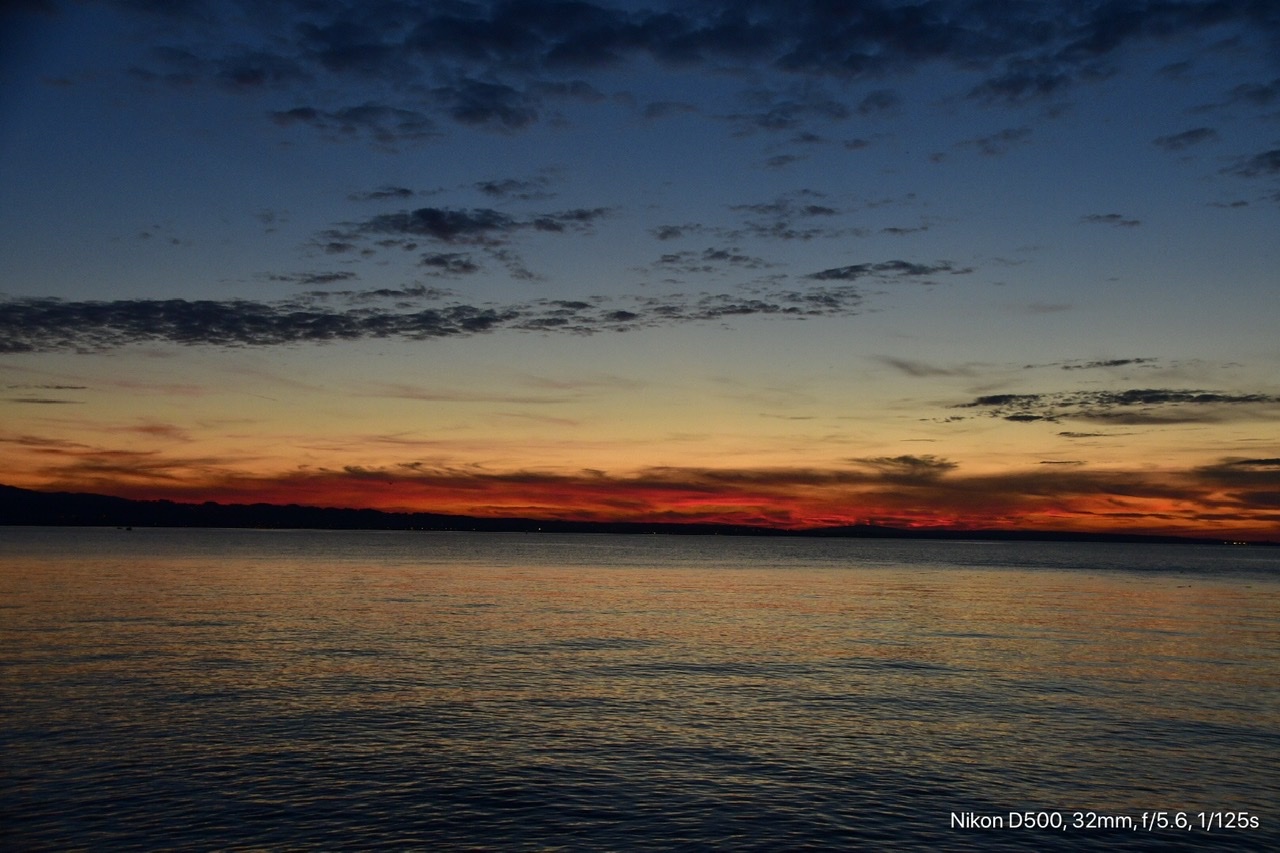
(304, 690)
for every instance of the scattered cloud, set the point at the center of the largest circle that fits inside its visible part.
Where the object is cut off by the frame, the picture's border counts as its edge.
(382, 193)
(1145, 406)
(888, 270)
(1114, 219)
(779, 161)
(448, 263)
(41, 401)
(534, 189)
(381, 123)
(920, 369)
(47, 324)
(998, 143)
(709, 260)
(1098, 364)
(1259, 165)
(1186, 139)
(500, 66)
(312, 279)
(1110, 362)
(480, 226)
(675, 232)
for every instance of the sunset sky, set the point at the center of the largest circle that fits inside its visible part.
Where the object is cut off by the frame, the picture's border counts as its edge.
(976, 264)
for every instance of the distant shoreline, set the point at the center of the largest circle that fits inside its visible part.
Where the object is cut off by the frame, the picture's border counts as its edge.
(27, 507)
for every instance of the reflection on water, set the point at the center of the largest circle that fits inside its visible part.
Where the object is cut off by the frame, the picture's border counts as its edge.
(207, 689)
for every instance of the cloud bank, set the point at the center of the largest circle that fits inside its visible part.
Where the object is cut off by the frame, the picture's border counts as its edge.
(503, 66)
(48, 324)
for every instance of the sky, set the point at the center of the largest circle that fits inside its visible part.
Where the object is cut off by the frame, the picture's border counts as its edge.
(958, 263)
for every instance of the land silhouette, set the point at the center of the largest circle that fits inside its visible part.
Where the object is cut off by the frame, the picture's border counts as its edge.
(77, 509)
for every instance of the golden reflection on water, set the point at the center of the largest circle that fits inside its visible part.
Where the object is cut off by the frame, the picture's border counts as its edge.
(1041, 688)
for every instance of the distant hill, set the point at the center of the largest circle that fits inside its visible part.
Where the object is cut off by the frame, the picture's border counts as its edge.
(73, 509)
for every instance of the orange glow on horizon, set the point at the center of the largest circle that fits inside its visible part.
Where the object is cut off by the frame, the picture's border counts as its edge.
(783, 500)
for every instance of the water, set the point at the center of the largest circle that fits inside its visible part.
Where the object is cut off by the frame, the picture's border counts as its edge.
(210, 690)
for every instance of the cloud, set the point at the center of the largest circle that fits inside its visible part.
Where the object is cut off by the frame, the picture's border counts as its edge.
(1114, 219)
(888, 269)
(1143, 406)
(779, 161)
(380, 122)
(791, 205)
(920, 369)
(480, 103)
(41, 401)
(382, 193)
(496, 64)
(998, 143)
(709, 260)
(675, 232)
(1259, 165)
(512, 188)
(312, 279)
(479, 226)
(879, 101)
(788, 110)
(791, 216)
(1105, 363)
(448, 263)
(906, 490)
(1179, 141)
(47, 324)
(907, 469)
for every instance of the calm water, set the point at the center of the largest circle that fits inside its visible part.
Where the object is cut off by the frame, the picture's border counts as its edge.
(167, 689)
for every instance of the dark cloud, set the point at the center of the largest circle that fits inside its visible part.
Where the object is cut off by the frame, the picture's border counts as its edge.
(888, 269)
(780, 161)
(31, 387)
(496, 106)
(382, 193)
(789, 217)
(41, 401)
(1110, 362)
(1110, 219)
(1146, 406)
(799, 204)
(879, 101)
(791, 110)
(920, 369)
(380, 122)
(666, 109)
(447, 225)
(46, 324)
(495, 63)
(1025, 80)
(1259, 165)
(998, 143)
(512, 188)
(709, 260)
(1255, 94)
(449, 263)
(908, 469)
(675, 232)
(481, 227)
(1253, 483)
(312, 279)
(1179, 141)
